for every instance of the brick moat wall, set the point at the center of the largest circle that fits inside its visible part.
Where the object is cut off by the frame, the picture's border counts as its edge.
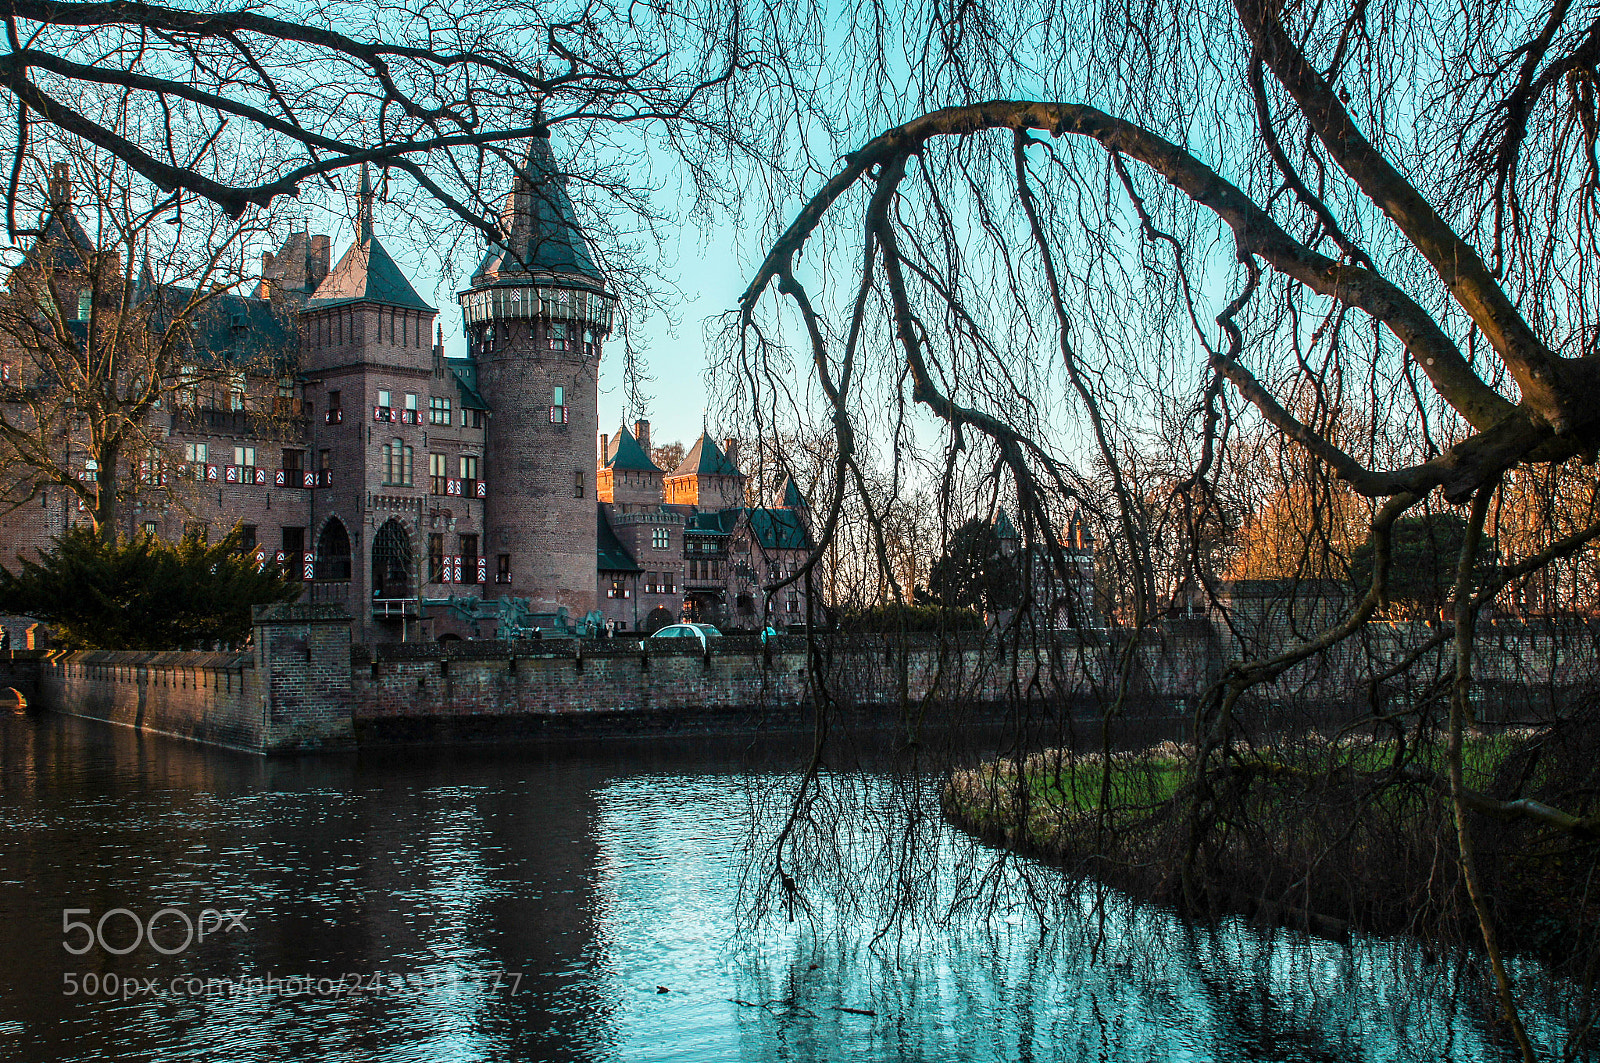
(303, 686)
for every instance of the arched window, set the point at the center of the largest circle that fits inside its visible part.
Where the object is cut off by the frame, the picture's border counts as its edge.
(333, 552)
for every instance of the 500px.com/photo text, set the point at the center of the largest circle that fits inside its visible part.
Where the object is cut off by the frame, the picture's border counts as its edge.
(376, 983)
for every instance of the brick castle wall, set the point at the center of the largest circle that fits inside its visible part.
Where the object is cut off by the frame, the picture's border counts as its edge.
(305, 686)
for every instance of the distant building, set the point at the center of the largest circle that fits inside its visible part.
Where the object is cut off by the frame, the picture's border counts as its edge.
(685, 543)
(1055, 602)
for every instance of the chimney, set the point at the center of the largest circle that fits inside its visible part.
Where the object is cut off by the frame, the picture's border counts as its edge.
(641, 432)
(730, 447)
(60, 186)
(605, 445)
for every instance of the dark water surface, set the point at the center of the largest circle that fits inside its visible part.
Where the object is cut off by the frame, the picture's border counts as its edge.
(530, 904)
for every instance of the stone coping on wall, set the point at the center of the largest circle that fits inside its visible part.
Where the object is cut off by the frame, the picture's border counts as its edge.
(153, 658)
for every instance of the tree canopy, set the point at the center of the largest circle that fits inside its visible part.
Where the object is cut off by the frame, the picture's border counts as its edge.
(144, 593)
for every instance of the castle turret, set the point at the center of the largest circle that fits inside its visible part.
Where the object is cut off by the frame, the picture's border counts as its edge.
(707, 477)
(535, 316)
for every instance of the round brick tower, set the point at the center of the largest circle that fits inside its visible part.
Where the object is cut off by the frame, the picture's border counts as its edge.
(536, 315)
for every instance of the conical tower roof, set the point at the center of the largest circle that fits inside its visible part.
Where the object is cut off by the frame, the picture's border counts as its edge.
(705, 458)
(789, 496)
(545, 237)
(367, 274)
(625, 453)
(1003, 528)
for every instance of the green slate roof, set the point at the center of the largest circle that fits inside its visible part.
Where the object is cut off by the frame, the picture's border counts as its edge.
(625, 453)
(465, 373)
(610, 554)
(545, 235)
(713, 522)
(790, 497)
(1003, 528)
(366, 274)
(778, 529)
(705, 458)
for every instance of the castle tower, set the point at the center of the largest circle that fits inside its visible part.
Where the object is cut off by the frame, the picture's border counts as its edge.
(367, 348)
(535, 316)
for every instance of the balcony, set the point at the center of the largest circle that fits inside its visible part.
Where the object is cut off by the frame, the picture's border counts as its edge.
(458, 488)
(393, 608)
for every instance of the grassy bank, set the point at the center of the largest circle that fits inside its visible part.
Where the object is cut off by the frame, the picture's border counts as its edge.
(1354, 833)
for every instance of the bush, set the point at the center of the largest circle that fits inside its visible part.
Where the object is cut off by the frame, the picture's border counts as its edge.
(143, 593)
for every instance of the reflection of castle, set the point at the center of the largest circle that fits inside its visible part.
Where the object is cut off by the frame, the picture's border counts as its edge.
(383, 474)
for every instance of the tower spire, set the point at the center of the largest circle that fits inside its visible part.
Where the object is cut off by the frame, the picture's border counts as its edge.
(364, 210)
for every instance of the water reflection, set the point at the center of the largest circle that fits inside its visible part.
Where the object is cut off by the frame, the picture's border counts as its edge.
(533, 906)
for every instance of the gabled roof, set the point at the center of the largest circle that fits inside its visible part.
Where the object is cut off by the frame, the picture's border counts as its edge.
(366, 274)
(610, 554)
(623, 452)
(778, 529)
(545, 235)
(705, 458)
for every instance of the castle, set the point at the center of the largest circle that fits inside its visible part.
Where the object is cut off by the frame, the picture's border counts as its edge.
(428, 494)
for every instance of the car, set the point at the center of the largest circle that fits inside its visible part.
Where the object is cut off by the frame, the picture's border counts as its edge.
(686, 631)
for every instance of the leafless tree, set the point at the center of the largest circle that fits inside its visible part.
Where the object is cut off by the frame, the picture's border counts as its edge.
(1357, 239)
(113, 319)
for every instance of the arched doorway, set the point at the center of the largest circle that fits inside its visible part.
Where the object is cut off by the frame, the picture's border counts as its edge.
(657, 619)
(391, 562)
(333, 551)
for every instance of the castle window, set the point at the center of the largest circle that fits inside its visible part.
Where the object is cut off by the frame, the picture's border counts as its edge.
(85, 304)
(236, 390)
(438, 410)
(469, 559)
(502, 568)
(411, 415)
(558, 406)
(660, 538)
(667, 583)
(471, 418)
(437, 474)
(577, 483)
(150, 527)
(397, 464)
(195, 455)
(245, 458)
(247, 538)
(557, 339)
(294, 550)
(436, 556)
(469, 467)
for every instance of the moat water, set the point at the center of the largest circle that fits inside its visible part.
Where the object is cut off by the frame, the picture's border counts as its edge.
(583, 904)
